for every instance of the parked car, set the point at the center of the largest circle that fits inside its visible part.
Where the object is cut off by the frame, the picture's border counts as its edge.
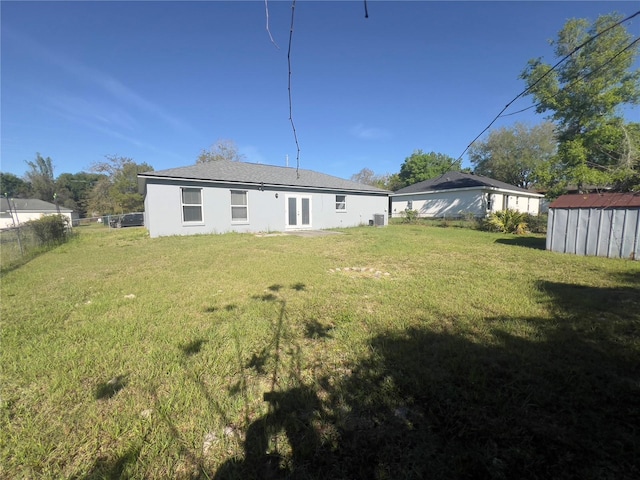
(127, 220)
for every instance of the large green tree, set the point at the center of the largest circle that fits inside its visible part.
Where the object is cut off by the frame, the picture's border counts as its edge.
(584, 96)
(13, 186)
(422, 166)
(514, 154)
(118, 191)
(100, 201)
(73, 190)
(40, 176)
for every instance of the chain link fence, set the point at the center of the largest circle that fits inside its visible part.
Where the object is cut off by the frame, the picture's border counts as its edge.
(20, 242)
(132, 219)
(16, 243)
(26, 240)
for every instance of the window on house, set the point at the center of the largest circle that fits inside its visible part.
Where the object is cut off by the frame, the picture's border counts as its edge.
(409, 204)
(239, 207)
(192, 205)
(341, 203)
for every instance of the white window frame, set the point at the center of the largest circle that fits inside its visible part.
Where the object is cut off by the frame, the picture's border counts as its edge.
(245, 206)
(341, 206)
(183, 205)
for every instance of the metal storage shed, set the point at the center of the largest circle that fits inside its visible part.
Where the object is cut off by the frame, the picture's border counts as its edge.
(600, 224)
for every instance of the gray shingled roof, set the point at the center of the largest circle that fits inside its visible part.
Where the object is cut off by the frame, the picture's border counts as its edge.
(454, 180)
(30, 205)
(256, 174)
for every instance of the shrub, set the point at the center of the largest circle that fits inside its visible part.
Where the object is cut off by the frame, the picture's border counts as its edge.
(537, 223)
(410, 216)
(507, 221)
(50, 229)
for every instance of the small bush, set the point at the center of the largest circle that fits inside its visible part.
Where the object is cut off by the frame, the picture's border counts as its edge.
(507, 221)
(537, 223)
(409, 216)
(50, 229)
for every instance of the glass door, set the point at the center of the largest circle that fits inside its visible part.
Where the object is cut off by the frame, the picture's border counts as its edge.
(298, 211)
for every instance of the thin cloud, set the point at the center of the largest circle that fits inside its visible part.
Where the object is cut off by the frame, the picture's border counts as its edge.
(369, 133)
(80, 109)
(109, 84)
(72, 110)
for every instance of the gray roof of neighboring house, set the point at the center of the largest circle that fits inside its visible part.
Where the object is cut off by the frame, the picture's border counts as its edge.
(455, 180)
(31, 205)
(223, 171)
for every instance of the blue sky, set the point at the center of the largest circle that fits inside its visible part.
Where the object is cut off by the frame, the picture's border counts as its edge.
(160, 81)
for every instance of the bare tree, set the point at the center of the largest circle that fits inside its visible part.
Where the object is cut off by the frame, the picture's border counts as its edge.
(223, 149)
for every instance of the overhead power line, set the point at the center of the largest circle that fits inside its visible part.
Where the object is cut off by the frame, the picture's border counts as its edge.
(526, 90)
(293, 126)
(580, 78)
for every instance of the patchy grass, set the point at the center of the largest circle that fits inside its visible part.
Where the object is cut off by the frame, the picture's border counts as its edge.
(236, 356)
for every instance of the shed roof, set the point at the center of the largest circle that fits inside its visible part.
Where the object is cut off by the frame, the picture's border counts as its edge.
(224, 171)
(597, 200)
(457, 180)
(31, 205)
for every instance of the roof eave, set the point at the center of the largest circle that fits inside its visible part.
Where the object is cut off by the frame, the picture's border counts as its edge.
(143, 177)
(466, 189)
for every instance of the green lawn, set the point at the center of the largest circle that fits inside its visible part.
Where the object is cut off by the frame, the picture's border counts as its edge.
(398, 352)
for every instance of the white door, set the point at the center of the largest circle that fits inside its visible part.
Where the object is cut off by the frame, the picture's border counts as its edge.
(298, 211)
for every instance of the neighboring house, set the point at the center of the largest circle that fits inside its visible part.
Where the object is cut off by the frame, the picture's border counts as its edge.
(223, 196)
(22, 210)
(600, 224)
(456, 194)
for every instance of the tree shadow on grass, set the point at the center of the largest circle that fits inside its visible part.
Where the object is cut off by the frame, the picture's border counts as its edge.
(112, 468)
(314, 330)
(538, 243)
(193, 347)
(562, 401)
(107, 390)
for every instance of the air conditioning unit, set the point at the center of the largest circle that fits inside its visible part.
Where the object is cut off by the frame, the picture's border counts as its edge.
(378, 219)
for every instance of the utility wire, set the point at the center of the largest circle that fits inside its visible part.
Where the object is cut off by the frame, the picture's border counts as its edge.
(525, 91)
(266, 9)
(582, 77)
(293, 126)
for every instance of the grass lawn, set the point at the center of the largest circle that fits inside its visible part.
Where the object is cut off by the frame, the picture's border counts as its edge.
(398, 352)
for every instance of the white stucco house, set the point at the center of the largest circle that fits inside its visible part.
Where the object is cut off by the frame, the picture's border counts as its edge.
(224, 196)
(21, 210)
(456, 194)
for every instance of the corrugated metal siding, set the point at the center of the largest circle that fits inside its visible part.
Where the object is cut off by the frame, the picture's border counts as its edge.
(610, 232)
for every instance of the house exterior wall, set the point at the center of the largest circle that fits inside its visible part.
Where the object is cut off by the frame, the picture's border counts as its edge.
(440, 204)
(267, 209)
(458, 203)
(6, 220)
(603, 232)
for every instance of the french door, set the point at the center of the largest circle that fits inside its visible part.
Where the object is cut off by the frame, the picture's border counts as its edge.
(298, 211)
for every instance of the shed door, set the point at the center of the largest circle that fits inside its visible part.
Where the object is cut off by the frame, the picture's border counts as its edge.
(298, 211)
